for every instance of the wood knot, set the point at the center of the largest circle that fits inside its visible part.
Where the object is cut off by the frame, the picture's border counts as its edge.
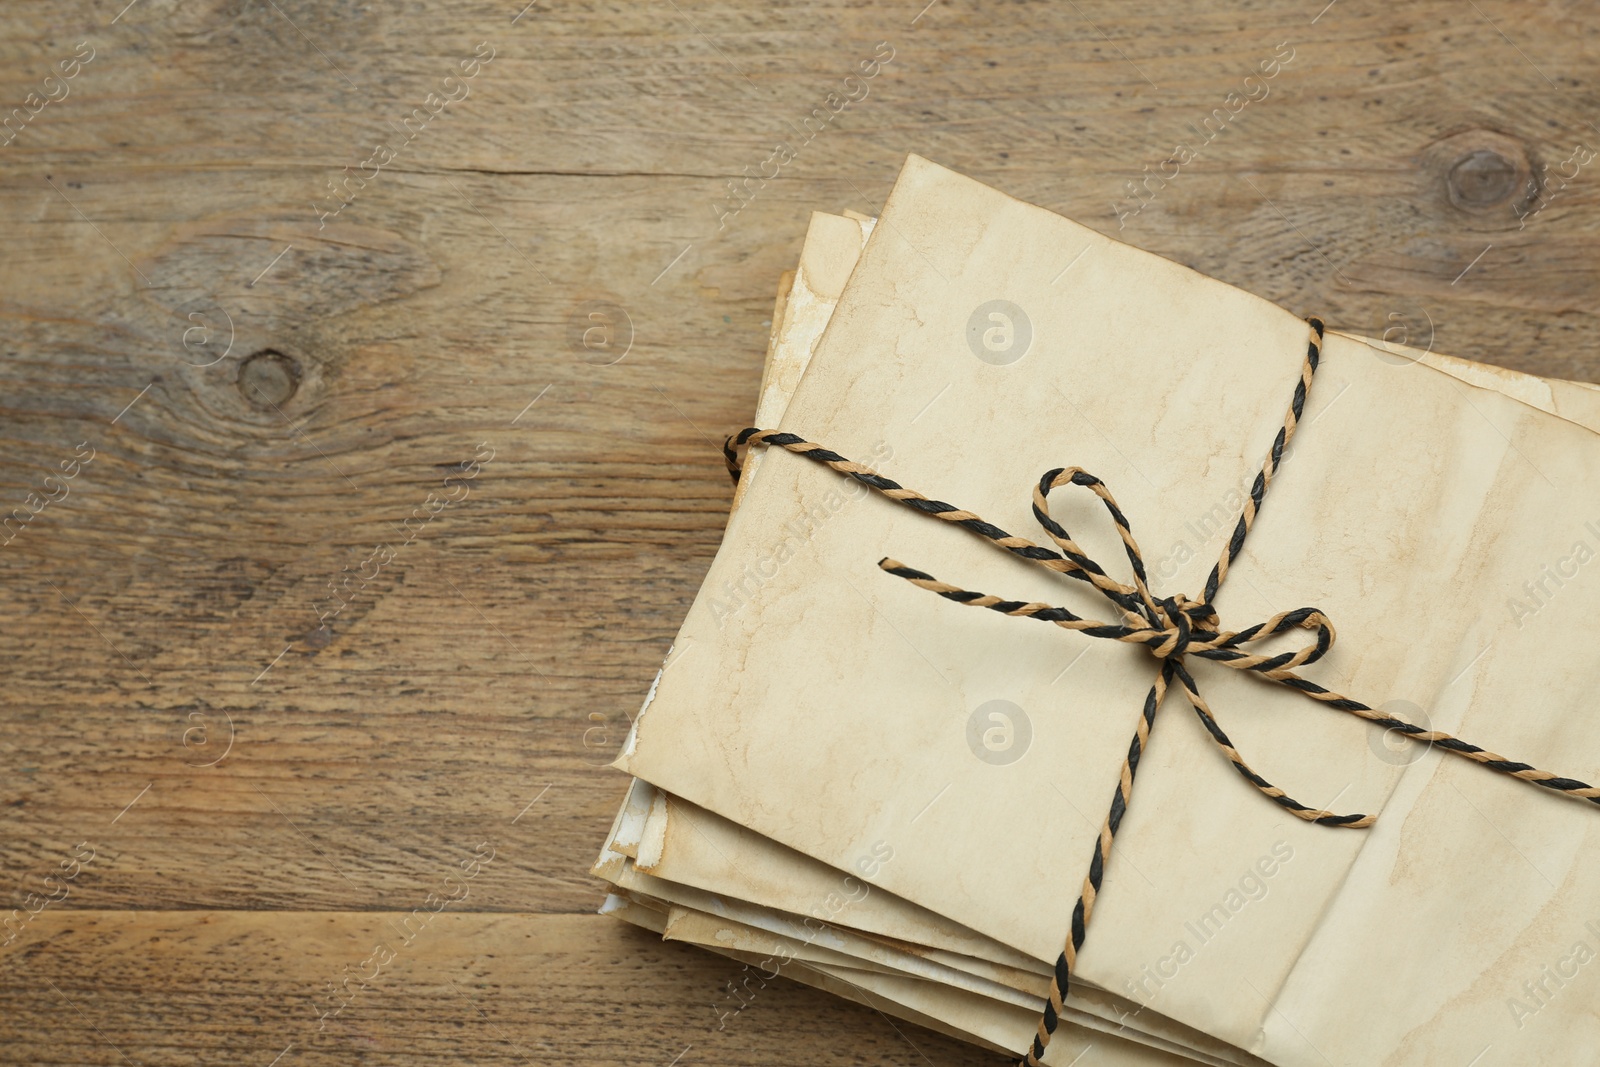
(1482, 179)
(268, 379)
(1485, 171)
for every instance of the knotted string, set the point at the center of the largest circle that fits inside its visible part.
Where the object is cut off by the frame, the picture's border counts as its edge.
(1170, 627)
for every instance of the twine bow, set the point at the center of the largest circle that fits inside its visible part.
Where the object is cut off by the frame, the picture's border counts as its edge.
(1169, 627)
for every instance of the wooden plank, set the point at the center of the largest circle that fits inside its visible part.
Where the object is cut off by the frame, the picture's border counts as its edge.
(445, 987)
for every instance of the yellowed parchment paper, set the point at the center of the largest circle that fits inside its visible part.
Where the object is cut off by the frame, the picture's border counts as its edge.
(834, 714)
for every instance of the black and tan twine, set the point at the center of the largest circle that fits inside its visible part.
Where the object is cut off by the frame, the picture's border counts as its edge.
(1170, 627)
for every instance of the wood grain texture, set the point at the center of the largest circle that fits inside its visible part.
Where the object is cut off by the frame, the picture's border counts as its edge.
(264, 779)
(244, 987)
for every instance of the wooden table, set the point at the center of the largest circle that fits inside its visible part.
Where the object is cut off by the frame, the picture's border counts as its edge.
(375, 355)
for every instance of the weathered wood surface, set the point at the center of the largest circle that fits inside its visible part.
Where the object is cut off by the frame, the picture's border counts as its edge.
(161, 232)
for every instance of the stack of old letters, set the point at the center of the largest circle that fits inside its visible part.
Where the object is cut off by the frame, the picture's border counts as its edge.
(841, 778)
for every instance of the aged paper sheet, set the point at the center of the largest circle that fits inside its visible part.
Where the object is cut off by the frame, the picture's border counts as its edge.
(1414, 555)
